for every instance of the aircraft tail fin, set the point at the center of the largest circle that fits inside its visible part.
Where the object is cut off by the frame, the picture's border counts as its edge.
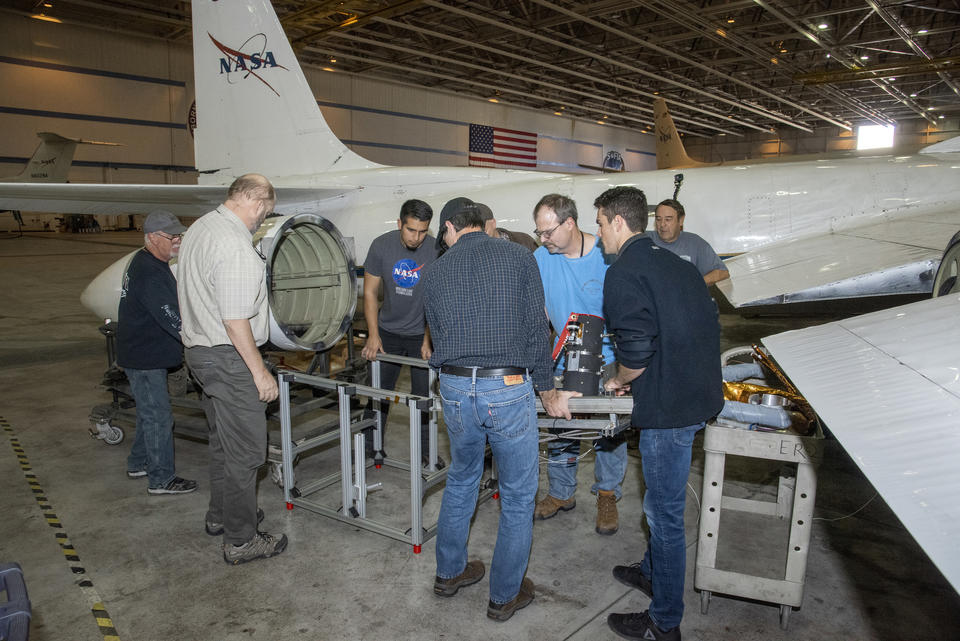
(51, 161)
(670, 151)
(255, 110)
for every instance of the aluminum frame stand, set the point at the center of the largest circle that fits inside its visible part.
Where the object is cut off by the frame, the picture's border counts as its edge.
(352, 473)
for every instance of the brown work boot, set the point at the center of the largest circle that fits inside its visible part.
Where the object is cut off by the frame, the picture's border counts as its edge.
(548, 507)
(470, 575)
(608, 521)
(503, 611)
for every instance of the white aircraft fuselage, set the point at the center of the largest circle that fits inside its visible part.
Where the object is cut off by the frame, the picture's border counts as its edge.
(735, 208)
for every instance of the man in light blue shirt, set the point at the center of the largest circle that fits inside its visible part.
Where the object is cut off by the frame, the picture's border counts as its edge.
(572, 268)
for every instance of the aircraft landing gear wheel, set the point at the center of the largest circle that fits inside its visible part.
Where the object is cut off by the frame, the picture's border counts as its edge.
(784, 616)
(947, 280)
(704, 601)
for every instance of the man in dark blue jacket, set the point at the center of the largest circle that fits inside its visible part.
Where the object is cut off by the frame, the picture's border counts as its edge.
(148, 345)
(667, 344)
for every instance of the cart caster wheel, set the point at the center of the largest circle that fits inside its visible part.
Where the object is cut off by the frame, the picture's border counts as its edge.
(705, 601)
(276, 473)
(784, 616)
(109, 434)
(113, 436)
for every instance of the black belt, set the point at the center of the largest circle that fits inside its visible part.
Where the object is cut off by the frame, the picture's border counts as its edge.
(482, 371)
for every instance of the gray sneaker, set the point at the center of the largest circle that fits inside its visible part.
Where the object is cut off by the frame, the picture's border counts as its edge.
(176, 485)
(216, 529)
(261, 546)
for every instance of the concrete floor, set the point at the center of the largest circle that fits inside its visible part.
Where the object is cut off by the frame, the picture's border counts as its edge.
(159, 577)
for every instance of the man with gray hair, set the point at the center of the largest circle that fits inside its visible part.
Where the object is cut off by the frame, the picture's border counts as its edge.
(148, 346)
(223, 299)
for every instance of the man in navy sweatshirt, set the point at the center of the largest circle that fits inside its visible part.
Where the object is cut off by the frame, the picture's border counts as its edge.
(148, 345)
(667, 344)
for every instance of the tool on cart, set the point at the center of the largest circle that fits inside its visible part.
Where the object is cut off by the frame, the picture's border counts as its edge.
(581, 341)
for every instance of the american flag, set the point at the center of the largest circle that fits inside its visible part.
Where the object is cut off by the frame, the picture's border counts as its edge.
(506, 148)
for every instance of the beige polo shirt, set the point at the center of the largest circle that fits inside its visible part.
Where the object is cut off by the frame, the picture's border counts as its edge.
(220, 276)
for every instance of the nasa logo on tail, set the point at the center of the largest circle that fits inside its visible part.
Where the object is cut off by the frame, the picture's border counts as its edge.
(250, 59)
(406, 273)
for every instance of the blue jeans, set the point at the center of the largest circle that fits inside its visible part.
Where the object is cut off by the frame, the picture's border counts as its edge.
(608, 469)
(475, 411)
(665, 454)
(153, 445)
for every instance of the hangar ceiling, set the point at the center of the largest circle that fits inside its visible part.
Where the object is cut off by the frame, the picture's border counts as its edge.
(731, 66)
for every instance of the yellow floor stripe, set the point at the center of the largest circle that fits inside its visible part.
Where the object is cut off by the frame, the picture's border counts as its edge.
(104, 623)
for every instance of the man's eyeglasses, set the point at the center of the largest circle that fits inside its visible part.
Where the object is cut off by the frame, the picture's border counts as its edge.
(548, 232)
(170, 237)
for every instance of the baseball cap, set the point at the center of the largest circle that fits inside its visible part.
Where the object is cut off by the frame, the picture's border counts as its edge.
(451, 209)
(164, 221)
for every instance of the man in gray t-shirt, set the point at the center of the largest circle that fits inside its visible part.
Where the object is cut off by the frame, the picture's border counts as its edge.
(669, 234)
(395, 263)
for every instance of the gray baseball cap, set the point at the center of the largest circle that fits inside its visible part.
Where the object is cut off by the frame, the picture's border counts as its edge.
(164, 221)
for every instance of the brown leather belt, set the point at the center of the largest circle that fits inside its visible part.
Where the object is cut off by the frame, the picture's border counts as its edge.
(482, 372)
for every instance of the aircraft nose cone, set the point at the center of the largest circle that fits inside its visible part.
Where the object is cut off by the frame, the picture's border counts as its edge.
(102, 295)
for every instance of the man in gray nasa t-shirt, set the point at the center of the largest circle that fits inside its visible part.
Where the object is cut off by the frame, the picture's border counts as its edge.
(395, 262)
(669, 234)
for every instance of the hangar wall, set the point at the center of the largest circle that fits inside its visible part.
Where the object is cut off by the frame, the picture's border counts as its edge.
(87, 83)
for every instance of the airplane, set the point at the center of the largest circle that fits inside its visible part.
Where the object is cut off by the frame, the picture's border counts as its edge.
(886, 385)
(800, 230)
(51, 161)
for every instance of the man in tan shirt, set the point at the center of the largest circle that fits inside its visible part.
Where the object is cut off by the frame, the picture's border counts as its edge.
(223, 304)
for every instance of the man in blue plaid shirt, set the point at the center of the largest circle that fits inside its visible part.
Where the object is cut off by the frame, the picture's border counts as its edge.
(484, 305)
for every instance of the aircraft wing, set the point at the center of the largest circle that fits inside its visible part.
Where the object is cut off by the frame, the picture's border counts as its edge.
(182, 200)
(886, 256)
(887, 385)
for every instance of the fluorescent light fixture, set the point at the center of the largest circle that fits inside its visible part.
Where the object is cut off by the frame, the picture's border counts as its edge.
(822, 26)
(492, 100)
(40, 16)
(864, 57)
(874, 136)
(921, 31)
(913, 95)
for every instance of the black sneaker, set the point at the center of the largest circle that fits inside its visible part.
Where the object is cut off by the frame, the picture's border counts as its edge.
(176, 485)
(503, 611)
(640, 626)
(136, 474)
(470, 575)
(630, 575)
(216, 529)
(261, 546)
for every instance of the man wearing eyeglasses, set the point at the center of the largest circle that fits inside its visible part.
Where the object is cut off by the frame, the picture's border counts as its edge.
(148, 346)
(223, 299)
(572, 267)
